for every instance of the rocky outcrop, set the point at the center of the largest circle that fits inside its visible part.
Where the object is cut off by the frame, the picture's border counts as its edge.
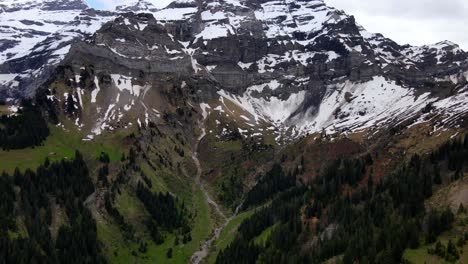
(300, 66)
(36, 36)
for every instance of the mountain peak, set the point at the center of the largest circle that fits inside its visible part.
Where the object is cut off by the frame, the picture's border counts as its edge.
(140, 5)
(445, 45)
(15, 5)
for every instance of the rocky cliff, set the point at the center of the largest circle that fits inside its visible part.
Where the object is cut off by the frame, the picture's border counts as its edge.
(292, 67)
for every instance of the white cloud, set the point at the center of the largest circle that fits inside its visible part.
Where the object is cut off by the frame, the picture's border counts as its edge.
(416, 22)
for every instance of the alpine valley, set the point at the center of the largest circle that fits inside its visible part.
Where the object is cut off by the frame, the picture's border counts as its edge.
(228, 131)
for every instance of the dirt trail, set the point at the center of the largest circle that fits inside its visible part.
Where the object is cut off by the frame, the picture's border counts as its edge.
(202, 253)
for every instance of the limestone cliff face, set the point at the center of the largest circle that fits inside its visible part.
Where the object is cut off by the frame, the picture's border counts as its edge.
(36, 35)
(299, 66)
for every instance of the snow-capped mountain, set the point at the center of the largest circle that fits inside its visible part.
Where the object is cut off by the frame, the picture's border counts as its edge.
(35, 35)
(293, 67)
(140, 5)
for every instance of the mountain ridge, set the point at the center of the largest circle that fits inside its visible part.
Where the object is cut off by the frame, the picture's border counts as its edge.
(279, 129)
(297, 65)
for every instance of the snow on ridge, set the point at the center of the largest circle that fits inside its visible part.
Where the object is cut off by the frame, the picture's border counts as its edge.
(272, 109)
(362, 105)
(347, 106)
(305, 17)
(9, 5)
(272, 85)
(139, 5)
(207, 15)
(410, 54)
(440, 49)
(268, 63)
(173, 14)
(45, 30)
(452, 107)
(7, 78)
(21, 24)
(214, 31)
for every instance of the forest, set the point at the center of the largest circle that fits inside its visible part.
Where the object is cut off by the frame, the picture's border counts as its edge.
(374, 223)
(27, 128)
(167, 214)
(31, 197)
(345, 211)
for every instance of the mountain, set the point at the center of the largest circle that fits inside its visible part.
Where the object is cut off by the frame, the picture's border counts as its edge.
(135, 6)
(194, 131)
(294, 67)
(36, 35)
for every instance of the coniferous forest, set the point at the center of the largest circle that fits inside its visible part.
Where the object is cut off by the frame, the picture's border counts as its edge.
(27, 128)
(373, 224)
(345, 211)
(62, 185)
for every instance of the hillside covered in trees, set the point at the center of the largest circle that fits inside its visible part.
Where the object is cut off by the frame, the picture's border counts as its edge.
(32, 197)
(373, 222)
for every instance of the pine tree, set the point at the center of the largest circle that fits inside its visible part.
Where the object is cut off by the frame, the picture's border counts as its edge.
(169, 253)
(452, 252)
(70, 104)
(437, 178)
(440, 249)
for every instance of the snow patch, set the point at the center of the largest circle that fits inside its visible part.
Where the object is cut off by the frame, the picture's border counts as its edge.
(124, 83)
(204, 108)
(95, 92)
(243, 65)
(272, 109)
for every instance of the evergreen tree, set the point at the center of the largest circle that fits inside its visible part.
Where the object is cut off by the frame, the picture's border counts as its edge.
(169, 253)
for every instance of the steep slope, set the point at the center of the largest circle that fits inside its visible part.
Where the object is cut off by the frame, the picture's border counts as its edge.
(35, 36)
(287, 110)
(297, 67)
(139, 5)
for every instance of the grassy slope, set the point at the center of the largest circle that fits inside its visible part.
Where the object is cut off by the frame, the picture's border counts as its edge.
(451, 195)
(163, 180)
(63, 144)
(263, 237)
(228, 234)
(420, 254)
(118, 250)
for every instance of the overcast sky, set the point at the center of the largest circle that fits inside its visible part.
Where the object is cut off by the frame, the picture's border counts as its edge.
(416, 22)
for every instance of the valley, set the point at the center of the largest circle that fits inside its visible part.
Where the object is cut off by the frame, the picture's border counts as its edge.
(232, 131)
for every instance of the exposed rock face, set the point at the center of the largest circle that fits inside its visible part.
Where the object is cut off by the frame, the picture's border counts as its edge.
(300, 66)
(46, 5)
(135, 6)
(36, 35)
